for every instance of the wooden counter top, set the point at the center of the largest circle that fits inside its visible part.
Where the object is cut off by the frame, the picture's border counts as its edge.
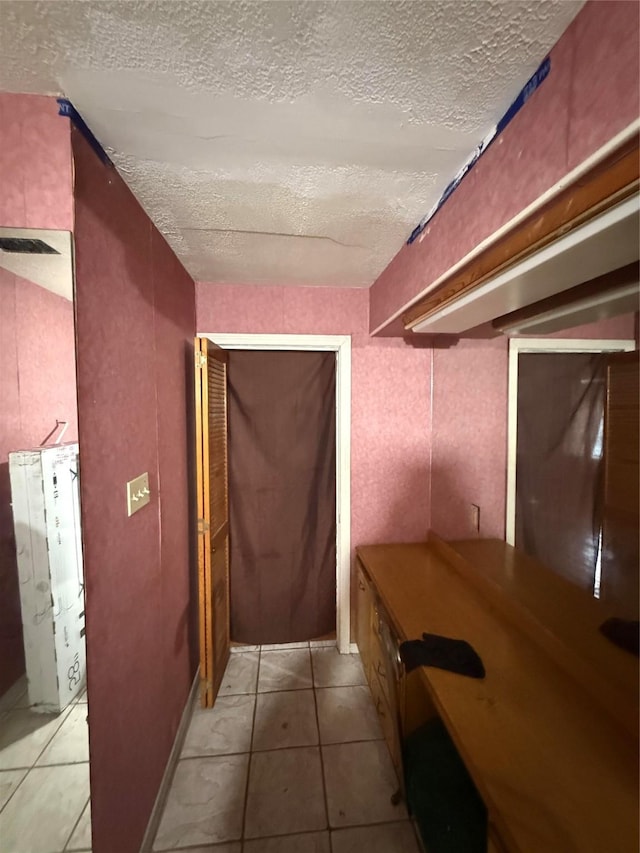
(556, 771)
(558, 615)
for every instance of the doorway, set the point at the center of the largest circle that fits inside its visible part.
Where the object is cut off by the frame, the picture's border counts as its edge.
(282, 520)
(340, 346)
(556, 467)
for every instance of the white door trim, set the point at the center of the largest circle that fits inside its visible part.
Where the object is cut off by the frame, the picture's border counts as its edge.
(341, 345)
(516, 346)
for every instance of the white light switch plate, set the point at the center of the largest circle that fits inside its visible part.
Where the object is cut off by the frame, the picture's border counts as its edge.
(138, 493)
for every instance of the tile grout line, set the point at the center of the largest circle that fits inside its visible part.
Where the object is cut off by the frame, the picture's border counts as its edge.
(250, 761)
(322, 773)
(75, 826)
(330, 831)
(48, 743)
(160, 803)
(271, 748)
(12, 795)
(243, 840)
(44, 766)
(32, 766)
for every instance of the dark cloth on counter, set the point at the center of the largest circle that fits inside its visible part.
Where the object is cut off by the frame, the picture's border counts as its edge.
(624, 633)
(444, 653)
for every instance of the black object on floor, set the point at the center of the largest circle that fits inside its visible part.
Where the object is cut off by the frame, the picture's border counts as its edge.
(441, 795)
(624, 633)
(443, 653)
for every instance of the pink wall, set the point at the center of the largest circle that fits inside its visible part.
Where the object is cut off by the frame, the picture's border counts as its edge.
(35, 164)
(135, 325)
(469, 429)
(590, 95)
(37, 386)
(390, 396)
(469, 437)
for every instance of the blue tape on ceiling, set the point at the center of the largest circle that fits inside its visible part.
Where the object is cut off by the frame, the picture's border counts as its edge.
(69, 111)
(525, 93)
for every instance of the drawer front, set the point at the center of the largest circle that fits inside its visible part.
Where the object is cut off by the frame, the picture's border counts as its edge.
(364, 606)
(378, 661)
(377, 666)
(388, 723)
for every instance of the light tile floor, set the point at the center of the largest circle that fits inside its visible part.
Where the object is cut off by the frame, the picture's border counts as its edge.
(44, 777)
(290, 760)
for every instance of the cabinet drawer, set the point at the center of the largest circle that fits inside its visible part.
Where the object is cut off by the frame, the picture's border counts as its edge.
(388, 722)
(364, 606)
(378, 668)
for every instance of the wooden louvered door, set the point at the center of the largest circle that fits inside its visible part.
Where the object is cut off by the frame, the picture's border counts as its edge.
(213, 515)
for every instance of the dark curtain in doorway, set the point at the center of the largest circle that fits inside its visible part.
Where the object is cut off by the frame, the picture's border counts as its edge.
(282, 495)
(559, 470)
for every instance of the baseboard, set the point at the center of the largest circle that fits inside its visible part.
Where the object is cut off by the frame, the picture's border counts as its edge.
(353, 649)
(176, 749)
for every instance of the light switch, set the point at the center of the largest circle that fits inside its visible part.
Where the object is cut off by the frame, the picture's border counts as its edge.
(138, 493)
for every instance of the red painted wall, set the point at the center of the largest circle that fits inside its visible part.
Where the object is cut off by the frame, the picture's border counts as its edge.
(135, 324)
(592, 93)
(37, 386)
(469, 430)
(35, 164)
(390, 396)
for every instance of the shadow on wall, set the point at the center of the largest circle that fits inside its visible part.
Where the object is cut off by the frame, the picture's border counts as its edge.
(395, 509)
(12, 664)
(407, 516)
(193, 615)
(135, 320)
(454, 494)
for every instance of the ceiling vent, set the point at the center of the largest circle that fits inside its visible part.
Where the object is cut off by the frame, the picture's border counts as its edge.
(26, 246)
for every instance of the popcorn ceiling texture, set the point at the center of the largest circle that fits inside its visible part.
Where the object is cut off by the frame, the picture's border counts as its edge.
(591, 95)
(288, 142)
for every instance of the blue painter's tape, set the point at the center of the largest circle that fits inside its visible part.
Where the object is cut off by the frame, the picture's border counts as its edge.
(525, 93)
(529, 88)
(67, 109)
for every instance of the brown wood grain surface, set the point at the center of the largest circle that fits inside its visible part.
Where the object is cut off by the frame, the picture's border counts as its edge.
(556, 771)
(203, 570)
(213, 515)
(557, 615)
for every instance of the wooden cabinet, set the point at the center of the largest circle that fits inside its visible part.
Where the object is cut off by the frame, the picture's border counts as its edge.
(383, 689)
(364, 607)
(401, 700)
(555, 718)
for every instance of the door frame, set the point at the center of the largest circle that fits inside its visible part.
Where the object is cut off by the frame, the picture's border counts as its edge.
(549, 345)
(341, 345)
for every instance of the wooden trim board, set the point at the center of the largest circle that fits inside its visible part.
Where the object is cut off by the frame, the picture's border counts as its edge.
(606, 184)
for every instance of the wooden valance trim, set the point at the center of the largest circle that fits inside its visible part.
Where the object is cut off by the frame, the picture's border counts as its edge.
(605, 185)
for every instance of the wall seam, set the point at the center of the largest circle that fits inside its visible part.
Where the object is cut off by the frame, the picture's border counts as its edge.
(431, 434)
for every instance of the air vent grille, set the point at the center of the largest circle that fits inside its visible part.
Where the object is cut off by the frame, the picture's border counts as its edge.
(26, 246)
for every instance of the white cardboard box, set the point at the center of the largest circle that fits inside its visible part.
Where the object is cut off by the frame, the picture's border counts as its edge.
(46, 517)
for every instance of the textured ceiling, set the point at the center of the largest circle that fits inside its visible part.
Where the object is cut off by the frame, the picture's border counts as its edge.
(283, 142)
